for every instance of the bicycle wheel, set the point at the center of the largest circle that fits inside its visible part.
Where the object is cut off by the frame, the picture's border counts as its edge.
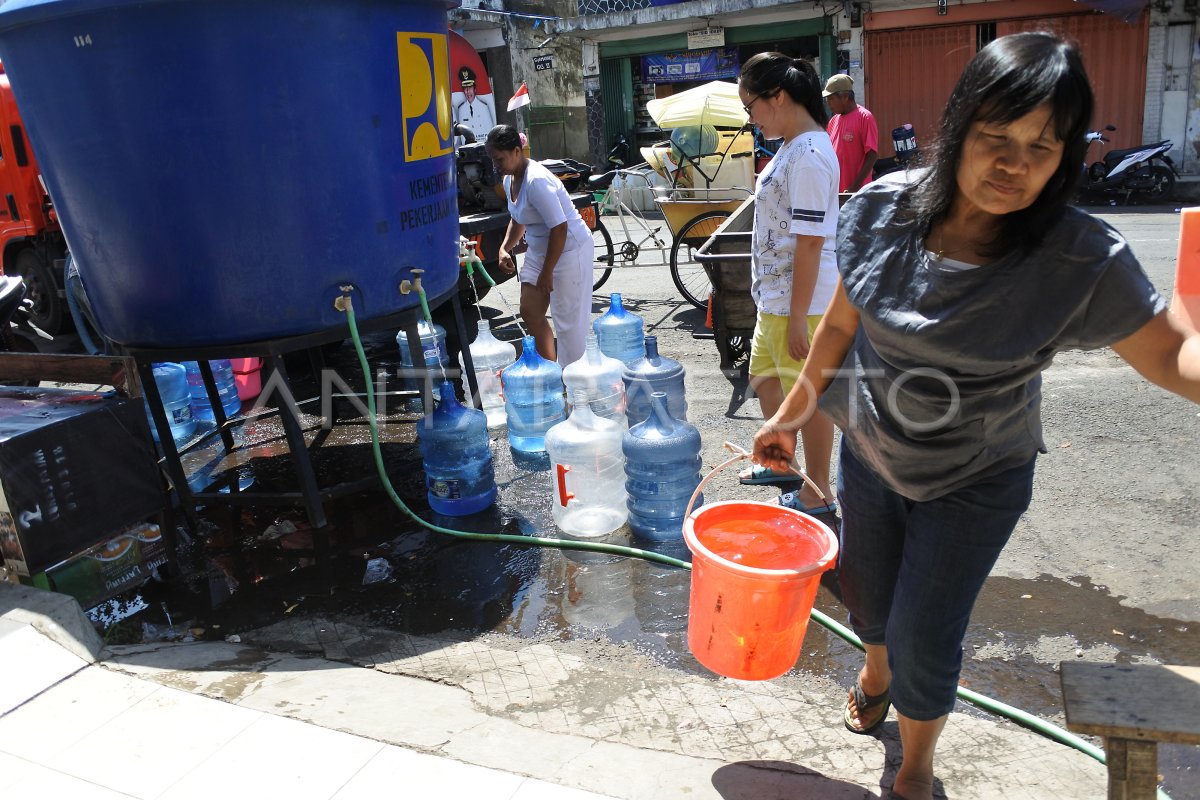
(690, 278)
(604, 254)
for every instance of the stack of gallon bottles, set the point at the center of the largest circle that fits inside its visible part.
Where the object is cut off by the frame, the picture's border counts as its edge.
(613, 426)
(185, 399)
(626, 452)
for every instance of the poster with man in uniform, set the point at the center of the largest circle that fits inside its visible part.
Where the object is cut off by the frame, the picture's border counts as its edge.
(471, 108)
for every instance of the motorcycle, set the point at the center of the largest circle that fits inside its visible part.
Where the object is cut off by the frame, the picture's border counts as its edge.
(1144, 172)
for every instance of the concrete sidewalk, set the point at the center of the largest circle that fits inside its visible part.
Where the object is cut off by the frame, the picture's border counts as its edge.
(70, 728)
(478, 717)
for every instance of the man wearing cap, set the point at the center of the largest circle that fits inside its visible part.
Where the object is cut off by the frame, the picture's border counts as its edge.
(472, 110)
(853, 132)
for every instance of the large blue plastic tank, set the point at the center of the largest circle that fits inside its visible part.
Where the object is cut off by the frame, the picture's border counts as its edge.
(221, 167)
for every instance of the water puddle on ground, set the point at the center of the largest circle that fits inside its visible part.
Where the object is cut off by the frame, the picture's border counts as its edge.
(253, 568)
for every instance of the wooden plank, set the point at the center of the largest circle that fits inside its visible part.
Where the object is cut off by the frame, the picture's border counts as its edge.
(1132, 769)
(1146, 702)
(120, 372)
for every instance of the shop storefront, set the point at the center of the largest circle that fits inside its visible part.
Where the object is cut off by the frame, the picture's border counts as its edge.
(634, 71)
(912, 59)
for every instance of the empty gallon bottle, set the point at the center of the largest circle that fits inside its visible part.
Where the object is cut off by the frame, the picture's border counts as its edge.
(588, 472)
(619, 332)
(490, 356)
(433, 350)
(533, 398)
(222, 371)
(171, 380)
(459, 478)
(662, 469)
(599, 379)
(654, 373)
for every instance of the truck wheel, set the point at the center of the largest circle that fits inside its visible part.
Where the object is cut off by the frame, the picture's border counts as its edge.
(42, 290)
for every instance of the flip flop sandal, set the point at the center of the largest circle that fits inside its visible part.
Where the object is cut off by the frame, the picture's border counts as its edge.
(792, 500)
(865, 702)
(760, 475)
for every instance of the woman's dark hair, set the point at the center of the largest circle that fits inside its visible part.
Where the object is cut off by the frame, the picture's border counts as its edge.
(766, 74)
(504, 137)
(1006, 80)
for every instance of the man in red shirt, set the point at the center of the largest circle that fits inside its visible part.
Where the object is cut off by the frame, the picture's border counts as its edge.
(853, 132)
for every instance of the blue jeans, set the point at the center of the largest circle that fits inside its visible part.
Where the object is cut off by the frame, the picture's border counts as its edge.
(910, 572)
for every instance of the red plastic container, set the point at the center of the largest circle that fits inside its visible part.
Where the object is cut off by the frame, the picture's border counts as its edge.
(755, 572)
(247, 374)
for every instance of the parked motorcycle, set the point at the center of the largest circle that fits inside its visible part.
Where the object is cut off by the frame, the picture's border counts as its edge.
(1146, 173)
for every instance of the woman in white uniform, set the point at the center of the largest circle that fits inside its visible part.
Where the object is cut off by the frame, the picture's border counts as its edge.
(556, 274)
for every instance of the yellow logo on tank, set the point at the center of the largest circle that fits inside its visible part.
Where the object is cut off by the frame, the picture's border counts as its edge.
(424, 60)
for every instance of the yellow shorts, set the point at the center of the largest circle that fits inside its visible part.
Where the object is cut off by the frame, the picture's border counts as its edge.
(769, 357)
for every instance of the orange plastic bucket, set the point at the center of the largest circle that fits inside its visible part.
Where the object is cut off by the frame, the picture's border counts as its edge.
(755, 572)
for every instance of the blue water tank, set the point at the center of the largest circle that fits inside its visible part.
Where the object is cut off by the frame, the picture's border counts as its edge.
(221, 167)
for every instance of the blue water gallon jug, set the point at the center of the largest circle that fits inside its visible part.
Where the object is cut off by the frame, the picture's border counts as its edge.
(654, 373)
(171, 380)
(222, 371)
(619, 332)
(662, 470)
(588, 473)
(598, 380)
(533, 398)
(490, 356)
(433, 351)
(459, 478)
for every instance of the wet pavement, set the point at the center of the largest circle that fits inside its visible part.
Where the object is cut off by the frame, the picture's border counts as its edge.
(251, 575)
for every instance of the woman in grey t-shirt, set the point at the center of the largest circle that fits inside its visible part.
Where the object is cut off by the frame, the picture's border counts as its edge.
(957, 289)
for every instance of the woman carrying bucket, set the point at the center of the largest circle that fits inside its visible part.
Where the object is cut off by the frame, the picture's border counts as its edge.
(956, 291)
(556, 274)
(792, 254)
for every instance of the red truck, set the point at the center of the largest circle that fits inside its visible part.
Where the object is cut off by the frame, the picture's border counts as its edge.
(32, 241)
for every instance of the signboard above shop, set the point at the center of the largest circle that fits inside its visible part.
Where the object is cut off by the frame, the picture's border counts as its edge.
(692, 65)
(706, 37)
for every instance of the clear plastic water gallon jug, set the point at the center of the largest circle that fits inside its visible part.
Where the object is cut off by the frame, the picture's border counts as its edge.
(222, 371)
(433, 351)
(454, 444)
(599, 378)
(588, 473)
(654, 373)
(490, 356)
(172, 383)
(662, 469)
(533, 398)
(619, 332)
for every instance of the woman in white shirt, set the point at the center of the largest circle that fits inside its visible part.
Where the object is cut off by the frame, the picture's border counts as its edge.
(793, 263)
(556, 274)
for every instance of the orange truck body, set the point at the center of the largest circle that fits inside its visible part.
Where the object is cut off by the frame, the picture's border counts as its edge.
(31, 240)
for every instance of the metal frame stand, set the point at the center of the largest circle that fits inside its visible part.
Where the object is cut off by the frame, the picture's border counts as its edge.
(310, 495)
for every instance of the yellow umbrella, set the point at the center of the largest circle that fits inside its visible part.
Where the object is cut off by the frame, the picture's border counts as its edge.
(716, 103)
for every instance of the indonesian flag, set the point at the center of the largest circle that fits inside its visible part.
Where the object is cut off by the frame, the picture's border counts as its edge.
(521, 98)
